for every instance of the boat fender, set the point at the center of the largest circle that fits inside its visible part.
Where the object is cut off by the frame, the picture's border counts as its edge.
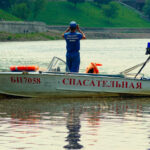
(92, 68)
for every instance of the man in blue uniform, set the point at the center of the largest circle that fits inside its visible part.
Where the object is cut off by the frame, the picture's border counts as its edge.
(73, 35)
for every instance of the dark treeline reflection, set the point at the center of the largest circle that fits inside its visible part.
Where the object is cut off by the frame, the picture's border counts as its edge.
(32, 111)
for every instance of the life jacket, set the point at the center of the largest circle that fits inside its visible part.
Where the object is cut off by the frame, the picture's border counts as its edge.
(92, 68)
(24, 68)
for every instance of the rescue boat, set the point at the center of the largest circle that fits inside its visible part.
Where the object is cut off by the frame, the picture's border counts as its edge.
(57, 81)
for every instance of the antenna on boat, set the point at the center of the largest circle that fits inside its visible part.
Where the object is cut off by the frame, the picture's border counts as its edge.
(147, 53)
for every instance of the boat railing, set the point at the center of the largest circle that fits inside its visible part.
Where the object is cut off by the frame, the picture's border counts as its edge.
(86, 74)
(57, 65)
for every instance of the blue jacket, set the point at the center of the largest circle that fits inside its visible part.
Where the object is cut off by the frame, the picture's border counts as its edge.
(72, 42)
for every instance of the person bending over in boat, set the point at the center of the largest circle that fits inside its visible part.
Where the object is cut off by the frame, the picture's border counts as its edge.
(73, 35)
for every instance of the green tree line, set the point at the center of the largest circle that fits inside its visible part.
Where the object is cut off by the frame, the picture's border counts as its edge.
(146, 8)
(23, 8)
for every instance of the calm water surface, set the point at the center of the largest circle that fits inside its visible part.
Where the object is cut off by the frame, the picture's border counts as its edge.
(87, 123)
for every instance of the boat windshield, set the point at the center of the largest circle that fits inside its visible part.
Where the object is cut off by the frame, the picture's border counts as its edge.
(58, 65)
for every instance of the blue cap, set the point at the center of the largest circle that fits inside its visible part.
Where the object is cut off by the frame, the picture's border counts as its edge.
(73, 24)
(148, 45)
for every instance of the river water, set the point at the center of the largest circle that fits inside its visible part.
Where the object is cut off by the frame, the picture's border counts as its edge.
(75, 123)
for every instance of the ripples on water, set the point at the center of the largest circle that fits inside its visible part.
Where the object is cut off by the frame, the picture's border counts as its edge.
(107, 123)
(90, 124)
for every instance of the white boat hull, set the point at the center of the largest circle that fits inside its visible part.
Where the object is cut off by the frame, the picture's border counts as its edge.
(70, 85)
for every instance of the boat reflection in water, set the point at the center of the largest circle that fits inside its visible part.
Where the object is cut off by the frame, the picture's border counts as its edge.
(73, 123)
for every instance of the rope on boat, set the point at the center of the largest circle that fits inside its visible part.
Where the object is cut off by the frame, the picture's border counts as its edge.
(132, 68)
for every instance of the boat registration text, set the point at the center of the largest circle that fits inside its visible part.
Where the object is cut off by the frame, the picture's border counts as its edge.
(28, 80)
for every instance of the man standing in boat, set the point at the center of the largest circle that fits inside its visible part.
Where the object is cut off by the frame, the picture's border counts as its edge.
(73, 35)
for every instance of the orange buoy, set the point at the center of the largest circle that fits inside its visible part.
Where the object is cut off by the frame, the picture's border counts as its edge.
(92, 68)
(24, 68)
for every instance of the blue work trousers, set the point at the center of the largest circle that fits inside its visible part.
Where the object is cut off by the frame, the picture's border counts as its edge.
(73, 62)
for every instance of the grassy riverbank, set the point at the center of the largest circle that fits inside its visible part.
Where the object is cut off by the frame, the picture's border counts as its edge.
(88, 14)
(52, 35)
(29, 36)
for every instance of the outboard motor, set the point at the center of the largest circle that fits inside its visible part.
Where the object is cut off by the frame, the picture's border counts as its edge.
(147, 53)
(148, 49)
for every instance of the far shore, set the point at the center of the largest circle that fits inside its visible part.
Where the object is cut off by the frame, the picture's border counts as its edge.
(90, 34)
(44, 36)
